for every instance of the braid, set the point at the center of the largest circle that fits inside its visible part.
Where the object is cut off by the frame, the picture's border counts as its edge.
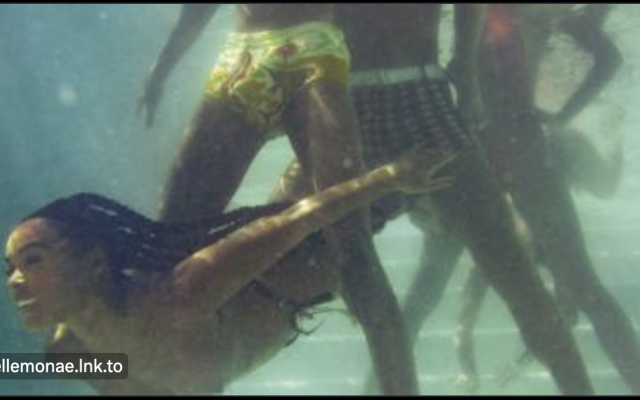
(133, 242)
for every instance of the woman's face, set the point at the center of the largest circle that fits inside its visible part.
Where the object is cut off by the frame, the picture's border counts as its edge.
(44, 276)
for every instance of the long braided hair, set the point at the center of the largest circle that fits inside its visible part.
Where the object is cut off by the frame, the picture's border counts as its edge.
(132, 242)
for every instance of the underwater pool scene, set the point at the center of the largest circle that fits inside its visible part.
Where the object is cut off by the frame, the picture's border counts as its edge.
(72, 79)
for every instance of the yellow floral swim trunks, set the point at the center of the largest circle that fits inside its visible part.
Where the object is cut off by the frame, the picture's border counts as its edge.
(259, 73)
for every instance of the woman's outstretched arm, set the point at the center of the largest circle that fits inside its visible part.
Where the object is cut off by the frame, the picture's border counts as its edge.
(216, 273)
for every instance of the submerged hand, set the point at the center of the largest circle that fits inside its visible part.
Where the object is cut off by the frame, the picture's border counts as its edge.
(416, 172)
(149, 101)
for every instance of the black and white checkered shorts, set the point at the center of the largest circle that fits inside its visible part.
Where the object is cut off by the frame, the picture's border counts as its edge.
(399, 117)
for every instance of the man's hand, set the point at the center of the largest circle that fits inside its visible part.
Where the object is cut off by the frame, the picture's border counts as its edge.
(150, 100)
(191, 23)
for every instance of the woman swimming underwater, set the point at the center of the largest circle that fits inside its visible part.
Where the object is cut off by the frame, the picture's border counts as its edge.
(194, 306)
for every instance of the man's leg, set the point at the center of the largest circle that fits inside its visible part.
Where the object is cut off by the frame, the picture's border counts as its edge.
(293, 184)
(217, 152)
(473, 294)
(323, 130)
(545, 201)
(440, 253)
(475, 208)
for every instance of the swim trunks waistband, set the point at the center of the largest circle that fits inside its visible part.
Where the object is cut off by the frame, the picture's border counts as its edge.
(396, 75)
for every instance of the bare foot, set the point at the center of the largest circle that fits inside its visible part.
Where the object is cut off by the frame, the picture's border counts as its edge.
(468, 384)
(514, 369)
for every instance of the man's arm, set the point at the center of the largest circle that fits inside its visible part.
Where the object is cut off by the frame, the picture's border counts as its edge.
(586, 28)
(191, 23)
(469, 24)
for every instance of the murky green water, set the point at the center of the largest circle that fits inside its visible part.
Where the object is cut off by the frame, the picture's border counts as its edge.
(70, 76)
